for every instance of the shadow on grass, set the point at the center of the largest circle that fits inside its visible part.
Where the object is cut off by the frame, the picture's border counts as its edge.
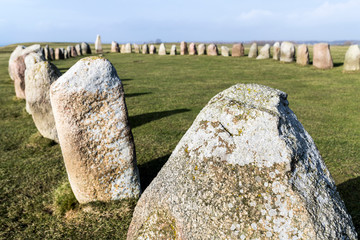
(350, 193)
(136, 94)
(126, 79)
(149, 170)
(338, 64)
(138, 120)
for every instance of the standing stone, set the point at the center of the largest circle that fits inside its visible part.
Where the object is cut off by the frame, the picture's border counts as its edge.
(302, 55)
(59, 54)
(162, 49)
(183, 48)
(78, 49)
(39, 77)
(212, 50)
(145, 49)
(127, 48)
(85, 48)
(14, 55)
(253, 51)
(224, 51)
(66, 54)
(352, 59)
(91, 117)
(47, 52)
(52, 53)
(152, 49)
(322, 57)
(115, 47)
(173, 50)
(122, 49)
(201, 49)
(136, 48)
(246, 169)
(238, 50)
(192, 49)
(264, 52)
(98, 47)
(68, 49)
(73, 52)
(276, 51)
(287, 52)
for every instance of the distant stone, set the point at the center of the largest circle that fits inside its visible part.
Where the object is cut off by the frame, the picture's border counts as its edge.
(302, 55)
(352, 59)
(59, 54)
(38, 79)
(152, 49)
(136, 48)
(68, 49)
(173, 50)
(114, 47)
(238, 50)
(127, 48)
(183, 48)
(162, 49)
(212, 50)
(264, 52)
(98, 46)
(78, 49)
(122, 48)
(201, 49)
(246, 169)
(47, 53)
(192, 49)
(224, 51)
(66, 54)
(145, 49)
(91, 118)
(276, 51)
(14, 55)
(52, 53)
(85, 48)
(253, 51)
(287, 52)
(322, 57)
(73, 52)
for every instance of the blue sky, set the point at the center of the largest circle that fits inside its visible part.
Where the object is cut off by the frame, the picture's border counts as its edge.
(178, 20)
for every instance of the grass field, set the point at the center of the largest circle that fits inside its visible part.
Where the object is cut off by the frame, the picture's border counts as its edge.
(164, 94)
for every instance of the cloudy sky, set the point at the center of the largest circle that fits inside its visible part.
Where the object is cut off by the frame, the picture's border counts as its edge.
(178, 20)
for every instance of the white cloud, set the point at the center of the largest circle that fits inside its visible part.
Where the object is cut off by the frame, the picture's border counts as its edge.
(255, 14)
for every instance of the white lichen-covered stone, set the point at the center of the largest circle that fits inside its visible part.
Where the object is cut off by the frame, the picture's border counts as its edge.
(127, 48)
(287, 52)
(352, 58)
(145, 49)
(246, 169)
(38, 79)
(201, 49)
(98, 46)
(91, 118)
(302, 55)
(173, 49)
(136, 48)
(276, 51)
(152, 49)
(224, 51)
(264, 52)
(162, 49)
(253, 51)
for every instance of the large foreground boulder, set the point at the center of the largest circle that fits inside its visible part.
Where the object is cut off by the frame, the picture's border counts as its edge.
(212, 50)
(246, 169)
(264, 52)
(302, 55)
(276, 51)
(98, 46)
(162, 49)
(237, 50)
(352, 58)
(39, 77)
(91, 117)
(253, 51)
(321, 56)
(287, 52)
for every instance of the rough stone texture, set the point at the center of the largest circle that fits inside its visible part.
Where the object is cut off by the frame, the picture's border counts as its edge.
(212, 50)
(136, 48)
(14, 55)
(122, 49)
(287, 52)
(321, 56)
(52, 53)
(264, 52)
(115, 47)
(38, 79)
(91, 118)
(192, 49)
(162, 49)
(127, 48)
(224, 51)
(201, 49)
(253, 51)
(302, 55)
(352, 59)
(152, 49)
(238, 50)
(78, 49)
(73, 52)
(183, 48)
(98, 46)
(246, 169)
(47, 52)
(66, 54)
(68, 49)
(85, 48)
(276, 51)
(59, 54)
(145, 49)
(173, 50)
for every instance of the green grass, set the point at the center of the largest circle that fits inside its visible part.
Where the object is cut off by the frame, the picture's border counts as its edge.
(164, 94)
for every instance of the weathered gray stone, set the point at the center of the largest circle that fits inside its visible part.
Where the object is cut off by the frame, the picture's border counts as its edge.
(173, 50)
(98, 46)
(246, 169)
(321, 56)
(238, 50)
(68, 49)
(183, 48)
(52, 53)
(224, 51)
(78, 49)
(253, 51)
(66, 54)
(73, 52)
(201, 49)
(85, 48)
(162, 49)
(88, 103)
(302, 55)
(287, 52)
(38, 79)
(276, 51)
(136, 48)
(47, 52)
(152, 49)
(264, 52)
(14, 55)
(192, 49)
(145, 49)
(59, 54)
(352, 58)
(212, 50)
(127, 48)
(114, 47)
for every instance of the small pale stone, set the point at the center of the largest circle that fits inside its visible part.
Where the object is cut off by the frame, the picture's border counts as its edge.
(136, 48)
(52, 53)
(114, 47)
(238, 50)
(47, 53)
(145, 49)
(287, 52)
(98, 46)
(321, 56)
(127, 48)
(253, 51)
(183, 48)
(201, 49)
(152, 49)
(66, 54)
(212, 50)
(173, 50)
(276, 51)
(192, 49)
(59, 54)
(352, 58)
(78, 49)
(264, 52)
(68, 49)
(122, 49)
(85, 48)
(162, 49)
(73, 52)
(224, 51)
(302, 55)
